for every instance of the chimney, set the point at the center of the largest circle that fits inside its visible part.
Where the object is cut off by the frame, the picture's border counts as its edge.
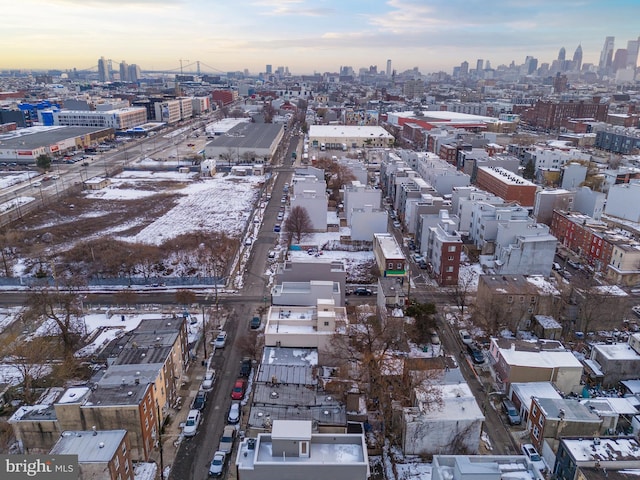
(95, 432)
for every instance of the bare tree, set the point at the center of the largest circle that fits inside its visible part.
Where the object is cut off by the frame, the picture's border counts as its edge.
(460, 292)
(63, 306)
(250, 345)
(8, 240)
(32, 360)
(366, 353)
(297, 224)
(268, 112)
(185, 297)
(227, 156)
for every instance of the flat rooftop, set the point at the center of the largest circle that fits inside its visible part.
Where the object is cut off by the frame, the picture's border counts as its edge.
(248, 135)
(347, 131)
(91, 447)
(35, 137)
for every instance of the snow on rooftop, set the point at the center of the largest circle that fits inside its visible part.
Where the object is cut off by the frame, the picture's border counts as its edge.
(73, 394)
(605, 449)
(543, 285)
(612, 290)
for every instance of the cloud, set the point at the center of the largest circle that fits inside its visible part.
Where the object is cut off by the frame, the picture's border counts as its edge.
(291, 7)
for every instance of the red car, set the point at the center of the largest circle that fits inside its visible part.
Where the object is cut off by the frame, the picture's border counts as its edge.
(238, 389)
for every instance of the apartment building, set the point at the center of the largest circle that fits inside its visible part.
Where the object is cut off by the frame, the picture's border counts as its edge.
(510, 187)
(292, 451)
(389, 256)
(102, 454)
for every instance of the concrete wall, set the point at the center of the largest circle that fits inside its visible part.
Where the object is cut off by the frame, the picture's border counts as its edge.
(316, 205)
(437, 436)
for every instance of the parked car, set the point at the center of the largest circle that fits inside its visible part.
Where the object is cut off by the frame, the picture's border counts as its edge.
(277, 228)
(363, 291)
(191, 425)
(200, 401)
(226, 440)
(530, 452)
(636, 310)
(476, 354)
(465, 337)
(255, 323)
(234, 413)
(217, 464)
(209, 379)
(221, 340)
(238, 389)
(435, 339)
(245, 367)
(280, 215)
(511, 412)
(248, 241)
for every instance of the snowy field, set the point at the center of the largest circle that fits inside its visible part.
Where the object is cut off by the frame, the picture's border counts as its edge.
(222, 203)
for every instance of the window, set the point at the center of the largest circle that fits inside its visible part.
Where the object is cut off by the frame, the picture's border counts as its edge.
(124, 447)
(510, 299)
(116, 462)
(450, 269)
(534, 411)
(390, 265)
(452, 248)
(450, 258)
(536, 432)
(326, 324)
(400, 266)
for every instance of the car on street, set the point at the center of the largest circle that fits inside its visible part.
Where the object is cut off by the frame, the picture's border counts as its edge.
(532, 454)
(245, 367)
(37, 184)
(234, 413)
(363, 291)
(217, 464)
(221, 340)
(209, 379)
(465, 337)
(237, 393)
(476, 353)
(280, 215)
(226, 440)
(248, 241)
(255, 323)
(191, 425)
(397, 224)
(435, 339)
(200, 400)
(510, 410)
(636, 310)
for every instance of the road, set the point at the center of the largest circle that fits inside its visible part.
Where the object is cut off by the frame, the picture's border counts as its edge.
(195, 454)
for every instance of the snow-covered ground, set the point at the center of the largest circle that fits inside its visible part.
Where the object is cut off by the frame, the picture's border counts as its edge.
(221, 203)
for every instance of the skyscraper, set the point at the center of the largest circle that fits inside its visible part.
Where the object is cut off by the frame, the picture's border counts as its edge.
(619, 60)
(562, 54)
(389, 68)
(269, 69)
(577, 59)
(103, 73)
(479, 65)
(632, 52)
(124, 71)
(464, 68)
(606, 56)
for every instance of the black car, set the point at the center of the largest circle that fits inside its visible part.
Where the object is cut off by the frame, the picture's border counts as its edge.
(362, 291)
(245, 367)
(255, 323)
(200, 400)
(476, 354)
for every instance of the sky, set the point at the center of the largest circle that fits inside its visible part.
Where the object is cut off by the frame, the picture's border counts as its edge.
(306, 35)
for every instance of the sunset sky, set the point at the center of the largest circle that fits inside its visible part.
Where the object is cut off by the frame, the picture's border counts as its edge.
(307, 35)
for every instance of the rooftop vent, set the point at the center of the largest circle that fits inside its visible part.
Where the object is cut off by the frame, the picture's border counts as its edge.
(101, 445)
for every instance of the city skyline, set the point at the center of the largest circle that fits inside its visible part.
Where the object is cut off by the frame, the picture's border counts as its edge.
(307, 36)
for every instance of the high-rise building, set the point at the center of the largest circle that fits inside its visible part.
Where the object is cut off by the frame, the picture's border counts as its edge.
(134, 73)
(562, 54)
(464, 69)
(577, 59)
(606, 56)
(269, 69)
(632, 52)
(389, 68)
(103, 73)
(619, 60)
(124, 71)
(479, 65)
